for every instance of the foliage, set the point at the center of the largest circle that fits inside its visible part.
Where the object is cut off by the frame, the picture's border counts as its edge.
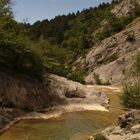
(131, 38)
(54, 45)
(72, 30)
(67, 37)
(131, 95)
(98, 81)
(100, 137)
(136, 66)
(115, 24)
(111, 58)
(5, 8)
(131, 91)
(137, 11)
(17, 52)
(76, 75)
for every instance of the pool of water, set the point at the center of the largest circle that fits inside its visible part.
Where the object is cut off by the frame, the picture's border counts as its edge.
(69, 126)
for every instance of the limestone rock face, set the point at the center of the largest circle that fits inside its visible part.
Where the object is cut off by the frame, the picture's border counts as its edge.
(113, 56)
(75, 93)
(20, 95)
(125, 7)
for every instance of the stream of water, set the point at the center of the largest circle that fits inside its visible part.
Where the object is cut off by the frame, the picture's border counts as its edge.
(68, 126)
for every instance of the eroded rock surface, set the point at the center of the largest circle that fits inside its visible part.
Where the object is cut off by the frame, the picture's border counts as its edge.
(75, 93)
(125, 7)
(20, 95)
(113, 56)
(128, 127)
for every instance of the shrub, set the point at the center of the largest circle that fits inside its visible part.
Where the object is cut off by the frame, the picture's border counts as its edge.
(17, 52)
(111, 58)
(131, 91)
(135, 139)
(136, 66)
(131, 95)
(77, 75)
(18, 57)
(137, 10)
(106, 83)
(131, 38)
(100, 137)
(98, 81)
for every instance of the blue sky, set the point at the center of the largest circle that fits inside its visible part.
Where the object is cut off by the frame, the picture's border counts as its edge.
(34, 10)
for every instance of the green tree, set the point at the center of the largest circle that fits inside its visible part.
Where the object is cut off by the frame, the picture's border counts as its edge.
(5, 8)
(17, 52)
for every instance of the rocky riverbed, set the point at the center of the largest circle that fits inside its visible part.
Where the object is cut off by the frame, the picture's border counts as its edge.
(20, 96)
(127, 128)
(73, 125)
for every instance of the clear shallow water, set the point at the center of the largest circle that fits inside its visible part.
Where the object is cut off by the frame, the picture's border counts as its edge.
(69, 126)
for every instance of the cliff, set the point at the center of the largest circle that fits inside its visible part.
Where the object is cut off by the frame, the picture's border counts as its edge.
(111, 58)
(124, 7)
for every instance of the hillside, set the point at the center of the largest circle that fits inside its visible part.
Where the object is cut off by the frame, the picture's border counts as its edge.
(93, 38)
(111, 58)
(94, 46)
(125, 7)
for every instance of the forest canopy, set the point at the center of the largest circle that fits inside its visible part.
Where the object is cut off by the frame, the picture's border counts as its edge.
(54, 45)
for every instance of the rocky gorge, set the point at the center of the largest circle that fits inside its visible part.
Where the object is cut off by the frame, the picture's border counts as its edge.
(60, 94)
(22, 97)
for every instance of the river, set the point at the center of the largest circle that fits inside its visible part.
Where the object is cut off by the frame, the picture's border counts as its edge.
(68, 126)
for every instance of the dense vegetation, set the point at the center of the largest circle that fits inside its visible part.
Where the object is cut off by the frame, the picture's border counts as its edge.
(74, 34)
(17, 52)
(54, 45)
(131, 90)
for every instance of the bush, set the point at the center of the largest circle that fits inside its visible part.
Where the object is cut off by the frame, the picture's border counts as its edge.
(21, 58)
(131, 38)
(131, 91)
(136, 66)
(76, 75)
(98, 81)
(131, 95)
(137, 10)
(111, 58)
(17, 52)
(100, 137)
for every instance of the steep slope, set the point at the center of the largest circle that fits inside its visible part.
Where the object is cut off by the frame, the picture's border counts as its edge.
(125, 7)
(112, 57)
